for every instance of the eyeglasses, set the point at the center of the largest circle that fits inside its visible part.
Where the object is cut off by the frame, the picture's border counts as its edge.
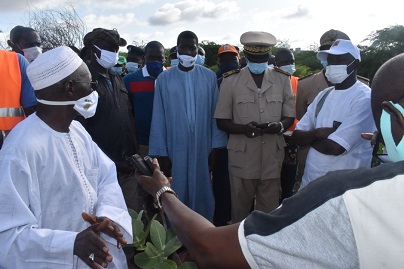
(93, 84)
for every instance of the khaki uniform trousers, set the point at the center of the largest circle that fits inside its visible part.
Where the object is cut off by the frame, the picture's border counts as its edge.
(244, 191)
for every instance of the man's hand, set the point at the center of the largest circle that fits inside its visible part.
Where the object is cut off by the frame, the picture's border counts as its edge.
(154, 183)
(273, 128)
(323, 133)
(251, 131)
(91, 248)
(111, 229)
(371, 136)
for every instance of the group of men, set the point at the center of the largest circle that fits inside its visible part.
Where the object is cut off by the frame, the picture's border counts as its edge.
(53, 168)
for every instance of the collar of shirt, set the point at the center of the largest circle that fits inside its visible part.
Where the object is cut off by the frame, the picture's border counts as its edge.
(146, 73)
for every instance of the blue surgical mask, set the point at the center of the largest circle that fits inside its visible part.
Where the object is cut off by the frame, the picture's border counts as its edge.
(290, 68)
(174, 62)
(200, 59)
(132, 66)
(154, 68)
(324, 63)
(257, 68)
(395, 152)
(117, 69)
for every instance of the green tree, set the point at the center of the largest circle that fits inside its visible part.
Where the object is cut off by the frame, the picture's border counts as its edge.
(211, 49)
(306, 63)
(384, 44)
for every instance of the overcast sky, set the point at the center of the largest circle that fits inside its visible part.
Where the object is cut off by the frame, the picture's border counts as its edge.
(301, 23)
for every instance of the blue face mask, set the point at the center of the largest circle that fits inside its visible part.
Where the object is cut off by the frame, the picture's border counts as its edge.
(200, 59)
(154, 68)
(290, 68)
(257, 68)
(132, 67)
(174, 62)
(117, 69)
(226, 67)
(324, 63)
(395, 152)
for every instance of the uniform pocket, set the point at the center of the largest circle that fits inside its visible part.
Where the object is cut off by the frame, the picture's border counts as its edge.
(245, 105)
(237, 147)
(274, 104)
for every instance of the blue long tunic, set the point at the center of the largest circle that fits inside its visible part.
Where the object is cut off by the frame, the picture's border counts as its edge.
(184, 129)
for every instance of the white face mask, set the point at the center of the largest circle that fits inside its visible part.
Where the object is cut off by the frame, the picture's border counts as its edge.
(186, 60)
(31, 53)
(337, 73)
(131, 67)
(86, 106)
(108, 58)
(395, 152)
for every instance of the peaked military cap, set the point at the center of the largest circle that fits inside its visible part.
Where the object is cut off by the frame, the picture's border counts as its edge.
(257, 43)
(328, 38)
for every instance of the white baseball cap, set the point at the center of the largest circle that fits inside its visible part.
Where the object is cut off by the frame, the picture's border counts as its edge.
(339, 47)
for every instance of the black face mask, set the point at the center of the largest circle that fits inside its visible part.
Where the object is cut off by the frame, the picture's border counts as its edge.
(226, 67)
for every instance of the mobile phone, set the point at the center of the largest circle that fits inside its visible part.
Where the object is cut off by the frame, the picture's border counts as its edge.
(140, 164)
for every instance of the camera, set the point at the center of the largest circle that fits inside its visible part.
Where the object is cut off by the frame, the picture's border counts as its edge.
(143, 165)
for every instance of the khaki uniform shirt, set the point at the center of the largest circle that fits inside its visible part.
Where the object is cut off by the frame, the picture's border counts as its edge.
(260, 157)
(307, 90)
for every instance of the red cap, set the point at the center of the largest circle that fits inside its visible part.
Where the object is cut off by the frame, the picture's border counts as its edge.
(227, 48)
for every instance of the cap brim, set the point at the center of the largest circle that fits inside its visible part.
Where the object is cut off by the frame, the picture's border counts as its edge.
(322, 55)
(257, 58)
(122, 42)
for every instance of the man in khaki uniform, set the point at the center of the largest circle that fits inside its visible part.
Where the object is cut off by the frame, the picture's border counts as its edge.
(255, 106)
(309, 86)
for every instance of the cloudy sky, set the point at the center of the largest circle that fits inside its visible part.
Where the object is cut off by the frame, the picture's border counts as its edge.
(300, 23)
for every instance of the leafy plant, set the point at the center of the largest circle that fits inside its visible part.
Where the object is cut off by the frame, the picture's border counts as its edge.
(139, 232)
(156, 252)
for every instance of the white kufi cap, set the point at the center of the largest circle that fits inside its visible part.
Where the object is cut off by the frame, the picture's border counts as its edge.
(52, 66)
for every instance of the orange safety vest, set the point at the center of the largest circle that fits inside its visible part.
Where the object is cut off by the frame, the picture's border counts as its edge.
(11, 111)
(293, 81)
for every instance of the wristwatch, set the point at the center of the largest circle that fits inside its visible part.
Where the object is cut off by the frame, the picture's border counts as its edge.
(281, 130)
(161, 191)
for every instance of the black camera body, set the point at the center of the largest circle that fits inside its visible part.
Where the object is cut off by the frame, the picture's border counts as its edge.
(143, 165)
